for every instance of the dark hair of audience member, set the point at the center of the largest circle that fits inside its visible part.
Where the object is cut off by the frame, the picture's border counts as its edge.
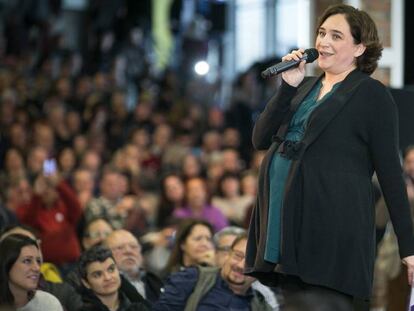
(95, 253)
(224, 177)
(166, 206)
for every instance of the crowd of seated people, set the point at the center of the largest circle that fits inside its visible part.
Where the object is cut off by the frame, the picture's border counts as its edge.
(98, 181)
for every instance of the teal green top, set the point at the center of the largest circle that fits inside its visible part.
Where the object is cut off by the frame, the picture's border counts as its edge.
(279, 170)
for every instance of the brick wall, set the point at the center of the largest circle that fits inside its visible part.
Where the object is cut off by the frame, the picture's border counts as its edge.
(380, 11)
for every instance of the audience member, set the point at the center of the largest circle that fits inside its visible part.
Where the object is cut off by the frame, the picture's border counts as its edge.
(171, 198)
(54, 211)
(104, 206)
(193, 245)
(20, 261)
(207, 288)
(35, 159)
(191, 166)
(127, 254)
(50, 280)
(18, 191)
(197, 204)
(84, 185)
(223, 241)
(96, 231)
(229, 199)
(101, 284)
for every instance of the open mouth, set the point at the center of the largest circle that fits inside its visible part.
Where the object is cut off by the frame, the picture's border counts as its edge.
(34, 278)
(238, 272)
(324, 54)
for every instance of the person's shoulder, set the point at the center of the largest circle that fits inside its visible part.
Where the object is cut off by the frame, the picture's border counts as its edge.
(150, 277)
(184, 278)
(374, 91)
(181, 212)
(138, 306)
(49, 300)
(372, 83)
(45, 295)
(186, 273)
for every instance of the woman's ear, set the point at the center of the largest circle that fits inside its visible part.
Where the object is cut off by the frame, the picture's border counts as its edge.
(360, 49)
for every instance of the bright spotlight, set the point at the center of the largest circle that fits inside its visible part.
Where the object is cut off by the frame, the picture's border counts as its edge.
(201, 68)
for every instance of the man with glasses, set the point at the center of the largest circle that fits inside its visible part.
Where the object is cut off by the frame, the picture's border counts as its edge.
(127, 254)
(206, 288)
(96, 231)
(223, 240)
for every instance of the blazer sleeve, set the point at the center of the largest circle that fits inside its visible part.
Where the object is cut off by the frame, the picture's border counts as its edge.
(384, 149)
(272, 116)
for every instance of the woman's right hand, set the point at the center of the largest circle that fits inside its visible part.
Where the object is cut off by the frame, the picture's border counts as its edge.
(294, 76)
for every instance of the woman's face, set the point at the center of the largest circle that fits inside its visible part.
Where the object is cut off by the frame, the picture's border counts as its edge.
(197, 245)
(96, 232)
(141, 138)
(196, 193)
(249, 185)
(67, 159)
(25, 272)
(14, 161)
(336, 47)
(174, 189)
(230, 187)
(191, 166)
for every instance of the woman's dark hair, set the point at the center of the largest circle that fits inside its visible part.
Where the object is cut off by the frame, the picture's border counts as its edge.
(184, 230)
(225, 176)
(363, 31)
(165, 206)
(10, 249)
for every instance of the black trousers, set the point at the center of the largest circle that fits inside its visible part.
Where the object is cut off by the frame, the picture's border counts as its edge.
(299, 295)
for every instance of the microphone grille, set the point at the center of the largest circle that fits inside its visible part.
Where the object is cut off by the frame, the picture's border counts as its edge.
(312, 54)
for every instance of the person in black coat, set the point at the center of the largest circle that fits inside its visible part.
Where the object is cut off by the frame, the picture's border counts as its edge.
(101, 284)
(313, 224)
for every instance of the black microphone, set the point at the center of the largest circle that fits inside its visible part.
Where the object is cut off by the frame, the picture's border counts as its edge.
(309, 56)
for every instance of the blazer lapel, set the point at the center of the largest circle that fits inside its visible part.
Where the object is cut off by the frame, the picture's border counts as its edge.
(331, 107)
(304, 90)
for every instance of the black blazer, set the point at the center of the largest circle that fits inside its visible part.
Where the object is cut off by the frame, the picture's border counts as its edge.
(327, 234)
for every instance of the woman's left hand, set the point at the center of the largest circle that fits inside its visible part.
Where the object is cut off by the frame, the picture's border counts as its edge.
(409, 262)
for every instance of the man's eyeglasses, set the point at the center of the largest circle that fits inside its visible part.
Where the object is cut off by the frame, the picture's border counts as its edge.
(98, 234)
(223, 249)
(237, 255)
(123, 247)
